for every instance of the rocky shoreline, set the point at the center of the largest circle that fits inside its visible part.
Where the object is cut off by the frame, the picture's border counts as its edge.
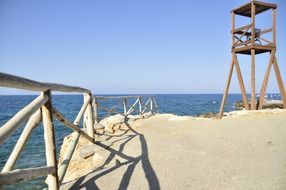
(89, 157)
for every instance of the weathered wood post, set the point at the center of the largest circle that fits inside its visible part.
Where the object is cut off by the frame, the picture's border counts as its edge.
(125, 107)
(67, 157)
(95, 114)
(50, 144)
(140, 105)
(84, 120)
(156, 105)
(75, 137)
(89, 115)
(151, 105)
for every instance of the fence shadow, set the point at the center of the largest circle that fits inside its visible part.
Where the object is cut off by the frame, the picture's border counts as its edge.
(131, 163)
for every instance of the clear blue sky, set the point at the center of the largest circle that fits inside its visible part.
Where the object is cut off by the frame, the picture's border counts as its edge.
(112, 46)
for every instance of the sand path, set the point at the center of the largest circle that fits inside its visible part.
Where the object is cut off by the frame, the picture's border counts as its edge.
(170, 152)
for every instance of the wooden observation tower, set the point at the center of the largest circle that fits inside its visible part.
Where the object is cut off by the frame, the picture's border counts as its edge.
(250, 40)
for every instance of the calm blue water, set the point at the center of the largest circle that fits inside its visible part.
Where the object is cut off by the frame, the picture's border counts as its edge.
(69, 105)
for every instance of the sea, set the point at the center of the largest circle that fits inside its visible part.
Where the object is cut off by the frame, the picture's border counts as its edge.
(69, 105)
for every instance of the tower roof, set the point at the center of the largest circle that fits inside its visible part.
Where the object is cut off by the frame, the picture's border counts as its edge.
(245, 10)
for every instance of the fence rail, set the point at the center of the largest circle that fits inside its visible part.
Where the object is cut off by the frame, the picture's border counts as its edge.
(41, 110)
(12, 81)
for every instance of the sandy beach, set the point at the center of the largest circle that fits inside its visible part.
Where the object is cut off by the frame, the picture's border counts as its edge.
(245, 150)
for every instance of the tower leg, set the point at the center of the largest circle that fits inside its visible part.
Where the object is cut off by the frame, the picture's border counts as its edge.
(280, 81)
(253, 98)
(265, 81)
(241, 83)
(226, 89)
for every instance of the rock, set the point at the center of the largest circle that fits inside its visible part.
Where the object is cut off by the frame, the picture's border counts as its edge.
(99, 129)
(88, 150)
(113, 123)
(147, 115)
(110, 122)
(97, 159)
(98, 126)
(208, 115)
(99, 132)
(272, 104)
(239, 105)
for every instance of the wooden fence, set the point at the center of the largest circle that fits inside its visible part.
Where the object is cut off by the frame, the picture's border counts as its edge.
(130, 104)
(42, 110)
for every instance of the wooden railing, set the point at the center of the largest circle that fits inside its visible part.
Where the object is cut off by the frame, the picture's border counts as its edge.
(243, 36)
(137, 104)
(42, 110)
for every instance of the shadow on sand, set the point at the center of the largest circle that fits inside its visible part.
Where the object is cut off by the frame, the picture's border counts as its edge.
(149, 172)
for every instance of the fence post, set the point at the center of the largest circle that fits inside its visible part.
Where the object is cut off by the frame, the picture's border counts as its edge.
(151, 105)
(140, 105)
(95, 114)
(125, 107)
(155, 105)
(89, 116)
(84, 121)
(67, 157)
(50, 144)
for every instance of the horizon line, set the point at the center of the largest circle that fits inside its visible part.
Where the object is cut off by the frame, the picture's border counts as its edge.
(107, 94)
